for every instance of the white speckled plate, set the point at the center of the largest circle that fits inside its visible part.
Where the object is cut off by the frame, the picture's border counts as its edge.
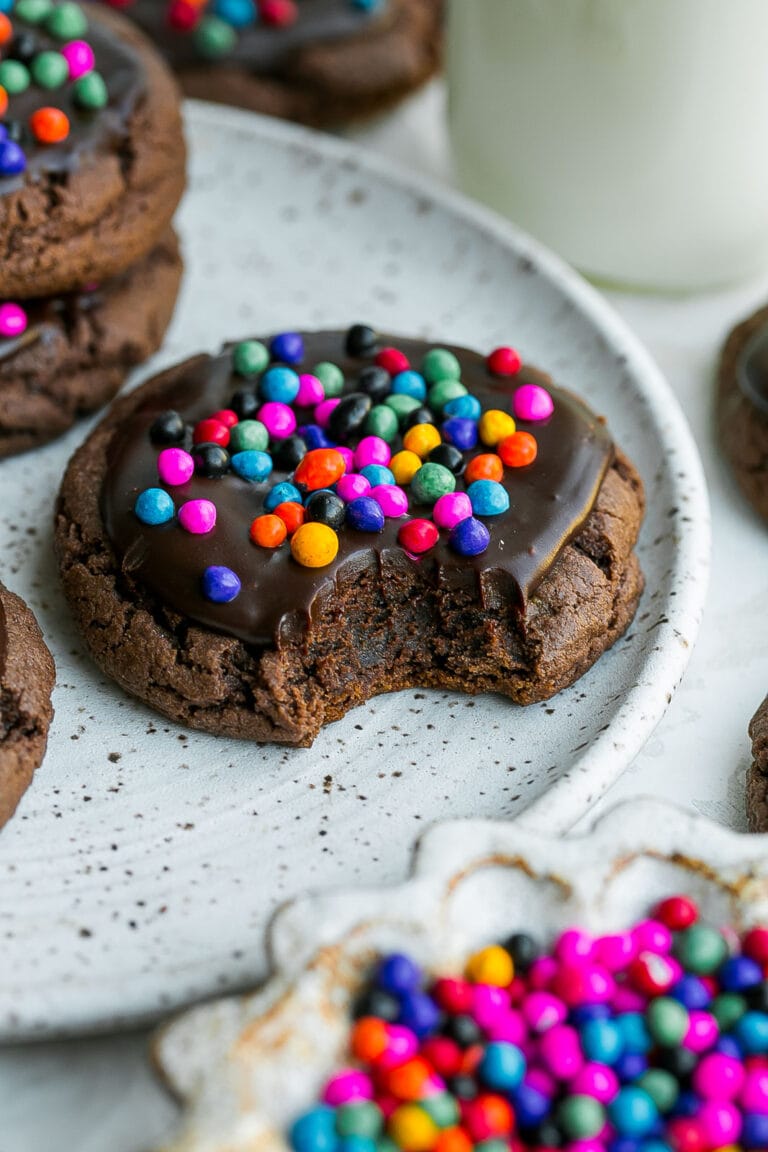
(245, 1067)
(143, 864)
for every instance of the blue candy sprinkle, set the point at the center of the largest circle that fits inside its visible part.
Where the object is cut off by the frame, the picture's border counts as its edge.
(531, 1106)
(738, 973)
(398, 974)
(410, 383)
(602, 1041)
(237, 13)
(632, 1112)
(12, 158)
(377, 474)
(502, 1066)
(288, 347)
(315, 1131)
(461, 432)
(279, 384)
(314, 436)
(466, 407)
(252, 464)
(220, 584)
(419, 1012)
(488, 498)
(279, 494)
(365, 515)
(154, 506)
(469, 537)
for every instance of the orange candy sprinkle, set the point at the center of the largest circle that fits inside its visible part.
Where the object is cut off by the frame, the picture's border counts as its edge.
(3, 101)
(268, 531)
(6, 28)
(320, 468)
(292, 515)
(407, 1081)
(518, 449)
(369, 1039)
(486, 466)
(49, 125)
(453, 1140)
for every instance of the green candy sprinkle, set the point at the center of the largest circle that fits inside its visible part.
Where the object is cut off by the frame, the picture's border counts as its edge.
(667, 1021)
(249, 357)
(359, 1119)
(331, 377)
(440, 364)
(248, 435)
(382, 421)
(33, 11)
(581, 1117)
(67, 22)
(727, 1009)
(445, 390)
(431, 482)
(402, 405)
(700, 949)
(444, 1110)
(214, 37)
(14, 77)
(49, 69)
(90, 92)
(661, 1086)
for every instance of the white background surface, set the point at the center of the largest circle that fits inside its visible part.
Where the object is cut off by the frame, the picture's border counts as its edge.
(90, 1096)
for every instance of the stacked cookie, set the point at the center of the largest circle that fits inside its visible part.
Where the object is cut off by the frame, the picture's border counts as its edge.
(321, 62)
(92, 166)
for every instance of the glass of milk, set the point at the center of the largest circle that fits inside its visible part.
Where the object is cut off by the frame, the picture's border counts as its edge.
(629, 135)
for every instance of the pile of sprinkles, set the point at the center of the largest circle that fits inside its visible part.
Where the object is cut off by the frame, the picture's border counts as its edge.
(653, 1039)
(215, 25)
(408, 444)
(25, 63)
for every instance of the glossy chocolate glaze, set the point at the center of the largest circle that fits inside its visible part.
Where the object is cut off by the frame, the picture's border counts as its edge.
(752, 370)
(45, 318)
(260, 48)
(550, 500)
(92, 133)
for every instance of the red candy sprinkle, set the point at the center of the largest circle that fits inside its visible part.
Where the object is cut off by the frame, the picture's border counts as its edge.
(226, 417)
(279, 13)
(392, 360)
(211, 431)
(756, 944)
(292, 515)
(49, 125)
(418, 536)
(504, 362)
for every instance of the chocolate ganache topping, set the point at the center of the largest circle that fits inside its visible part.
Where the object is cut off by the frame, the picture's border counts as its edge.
(258, 35)
(548, 500)
(68, 89)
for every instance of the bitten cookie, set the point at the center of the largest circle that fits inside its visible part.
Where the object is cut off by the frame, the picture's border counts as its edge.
(321, 62)
(742, 401)
(255, 542)
(26, 680)
(65, 356)
(757, 776)
(91, 149)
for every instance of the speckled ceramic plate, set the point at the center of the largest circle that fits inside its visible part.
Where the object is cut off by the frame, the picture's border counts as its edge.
(145, 861)
(245, 1067)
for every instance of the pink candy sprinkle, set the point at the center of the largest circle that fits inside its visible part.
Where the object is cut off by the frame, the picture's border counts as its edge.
(702, 1033)
(323, 411)
(352, 485)
(391, 499)
(175, 466)
(13, 320)
(533, 403)
(720, 1077)
(542, 1010)
(401, 1045)
(615, 952)
(754, 1093)
(451, 509)
(347, 455)
(596, 1080)
(347, 1086)
(372, 450)
(574, 945)
(79, 57)
(508, 1027)
(561, 1051)
(278, 419)
(198, 516)
(311, 391)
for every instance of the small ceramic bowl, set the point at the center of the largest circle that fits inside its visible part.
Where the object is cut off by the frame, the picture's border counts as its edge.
(245, 1067)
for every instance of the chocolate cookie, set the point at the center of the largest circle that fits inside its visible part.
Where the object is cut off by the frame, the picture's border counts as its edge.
(321, 62)
(91, 149)
(742, 402)
(757, 776)
(26, 680)
(62, 357)
(255, 542)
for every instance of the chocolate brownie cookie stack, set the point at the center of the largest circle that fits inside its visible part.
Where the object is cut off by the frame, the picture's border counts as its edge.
(322, 62)
(92, 166)
(258, 541)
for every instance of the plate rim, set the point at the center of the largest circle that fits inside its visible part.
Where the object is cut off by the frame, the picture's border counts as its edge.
(557, 809)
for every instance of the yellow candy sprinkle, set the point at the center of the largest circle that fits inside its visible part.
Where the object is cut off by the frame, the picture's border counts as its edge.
(421, 439)
(413, 1129)
(404, 466)
(314, 545)
(495, 426)
(491, 965)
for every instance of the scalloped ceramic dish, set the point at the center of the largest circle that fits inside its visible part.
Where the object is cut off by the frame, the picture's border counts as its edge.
(145, 861)
(245, 1067)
